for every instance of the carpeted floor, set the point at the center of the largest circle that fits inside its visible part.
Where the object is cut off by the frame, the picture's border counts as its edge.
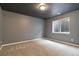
(40, 47)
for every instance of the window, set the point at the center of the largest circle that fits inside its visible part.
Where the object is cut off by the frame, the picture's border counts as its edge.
(61, 26)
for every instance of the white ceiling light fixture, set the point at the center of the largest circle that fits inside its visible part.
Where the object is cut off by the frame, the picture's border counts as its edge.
(42, 6)
(58, 13)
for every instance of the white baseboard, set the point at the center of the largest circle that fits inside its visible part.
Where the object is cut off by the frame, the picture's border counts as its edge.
(66, 43)
(17, 42)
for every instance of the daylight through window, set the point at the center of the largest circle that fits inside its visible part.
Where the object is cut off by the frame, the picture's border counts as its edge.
(61, 25)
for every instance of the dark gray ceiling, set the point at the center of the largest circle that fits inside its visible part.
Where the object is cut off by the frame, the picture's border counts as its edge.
(31, 9)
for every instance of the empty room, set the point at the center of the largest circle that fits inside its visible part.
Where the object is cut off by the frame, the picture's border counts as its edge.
(39, 29)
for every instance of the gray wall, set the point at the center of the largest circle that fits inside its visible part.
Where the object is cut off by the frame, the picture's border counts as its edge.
(17, 27)
(0, 26)
(73, 37)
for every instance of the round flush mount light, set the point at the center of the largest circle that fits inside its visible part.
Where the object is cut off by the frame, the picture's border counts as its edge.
(43, 6)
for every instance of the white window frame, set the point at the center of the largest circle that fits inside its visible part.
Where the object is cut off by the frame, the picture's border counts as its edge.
(60, 27)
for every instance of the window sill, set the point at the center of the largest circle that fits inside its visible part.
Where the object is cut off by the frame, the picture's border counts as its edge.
(61, 32)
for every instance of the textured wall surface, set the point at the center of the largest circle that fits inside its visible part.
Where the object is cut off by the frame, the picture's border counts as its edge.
(17, 27)
(73, 37)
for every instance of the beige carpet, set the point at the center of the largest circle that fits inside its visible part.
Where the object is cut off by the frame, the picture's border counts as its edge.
(39, 47)
(27, 49)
